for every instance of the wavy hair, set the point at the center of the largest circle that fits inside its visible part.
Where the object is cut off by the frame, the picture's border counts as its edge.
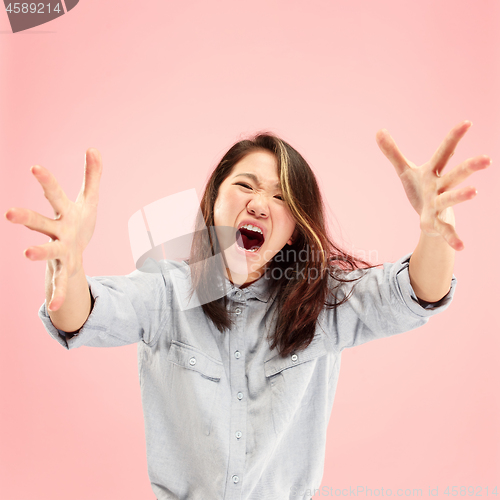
(299, 271)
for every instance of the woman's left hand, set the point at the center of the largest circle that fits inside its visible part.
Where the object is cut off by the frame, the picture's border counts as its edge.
(428, 190)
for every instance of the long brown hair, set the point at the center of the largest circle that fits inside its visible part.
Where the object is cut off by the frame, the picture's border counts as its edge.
(299, 285)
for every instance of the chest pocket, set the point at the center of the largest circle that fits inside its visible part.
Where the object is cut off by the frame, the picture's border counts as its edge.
(292, 381)
(193, 384)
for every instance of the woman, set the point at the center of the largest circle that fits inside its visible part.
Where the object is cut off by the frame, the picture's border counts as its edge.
(237, 392)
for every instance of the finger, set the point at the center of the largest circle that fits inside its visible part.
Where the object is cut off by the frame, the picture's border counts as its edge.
(447, 147)
(450, 198)
(461, 172)
(450, 235)
(92, 177)
(388, 146)
(33, 220)
(48, 251)
(51, 189)
(59, 286)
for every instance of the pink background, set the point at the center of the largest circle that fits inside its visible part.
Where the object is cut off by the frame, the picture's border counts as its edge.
(163, 89)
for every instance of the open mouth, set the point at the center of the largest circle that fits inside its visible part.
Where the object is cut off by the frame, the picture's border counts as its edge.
(249, 238)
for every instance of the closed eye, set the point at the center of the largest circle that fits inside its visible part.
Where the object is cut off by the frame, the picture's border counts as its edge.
(278, 196)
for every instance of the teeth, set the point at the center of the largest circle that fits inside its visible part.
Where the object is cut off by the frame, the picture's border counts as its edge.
(252, 228)
(254, 250)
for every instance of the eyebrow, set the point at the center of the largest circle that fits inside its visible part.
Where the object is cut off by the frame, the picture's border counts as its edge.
(256, 179)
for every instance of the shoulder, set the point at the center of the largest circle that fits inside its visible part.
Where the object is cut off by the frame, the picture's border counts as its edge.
(165, 268)
(342, 282)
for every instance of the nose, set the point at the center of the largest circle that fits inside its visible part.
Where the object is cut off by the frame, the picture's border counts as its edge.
(258, 206)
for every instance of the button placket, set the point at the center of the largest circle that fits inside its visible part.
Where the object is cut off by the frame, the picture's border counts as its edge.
(238, 387)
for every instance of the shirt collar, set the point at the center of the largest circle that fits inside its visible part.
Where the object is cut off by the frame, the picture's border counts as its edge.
(259, 289)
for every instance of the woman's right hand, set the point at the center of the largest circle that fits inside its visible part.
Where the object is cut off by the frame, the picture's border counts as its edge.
(71, 229)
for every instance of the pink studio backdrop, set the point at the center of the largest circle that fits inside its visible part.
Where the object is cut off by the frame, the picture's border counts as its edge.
(162, 89)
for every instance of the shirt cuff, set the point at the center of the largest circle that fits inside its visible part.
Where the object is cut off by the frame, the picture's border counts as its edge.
(420, 308)
(89, 329)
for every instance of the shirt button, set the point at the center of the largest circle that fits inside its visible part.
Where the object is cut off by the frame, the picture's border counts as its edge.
(238, 294)
(294, 357)
(192, 361)
(238, 311)
(239, 395)
(235, 479)
(237, 354)
(238, 434)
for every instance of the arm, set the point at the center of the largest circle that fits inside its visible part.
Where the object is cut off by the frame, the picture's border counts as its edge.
(127, 309)
(429, 192)
(381, 304)
(77, 305)
(431, 268)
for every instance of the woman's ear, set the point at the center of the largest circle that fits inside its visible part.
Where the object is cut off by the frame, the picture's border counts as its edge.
(292, 239)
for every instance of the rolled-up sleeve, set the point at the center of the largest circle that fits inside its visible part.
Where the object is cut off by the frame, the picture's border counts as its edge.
(381, 303)
(127, 309)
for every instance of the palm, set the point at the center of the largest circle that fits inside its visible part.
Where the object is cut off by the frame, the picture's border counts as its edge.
(80, 220)
(427, 190)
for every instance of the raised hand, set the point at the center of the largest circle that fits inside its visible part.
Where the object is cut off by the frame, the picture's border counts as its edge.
(428, 190)
(71, 229)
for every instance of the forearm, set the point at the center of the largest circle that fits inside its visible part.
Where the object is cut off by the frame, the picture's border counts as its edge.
(431, 267)
(76, 307)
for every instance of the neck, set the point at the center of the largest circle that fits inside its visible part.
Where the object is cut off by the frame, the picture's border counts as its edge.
(242, 280)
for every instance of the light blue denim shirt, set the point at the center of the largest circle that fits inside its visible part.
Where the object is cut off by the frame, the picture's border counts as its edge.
(226, 417)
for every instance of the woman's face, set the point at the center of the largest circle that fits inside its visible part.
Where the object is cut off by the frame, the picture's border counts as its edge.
(251, 195)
